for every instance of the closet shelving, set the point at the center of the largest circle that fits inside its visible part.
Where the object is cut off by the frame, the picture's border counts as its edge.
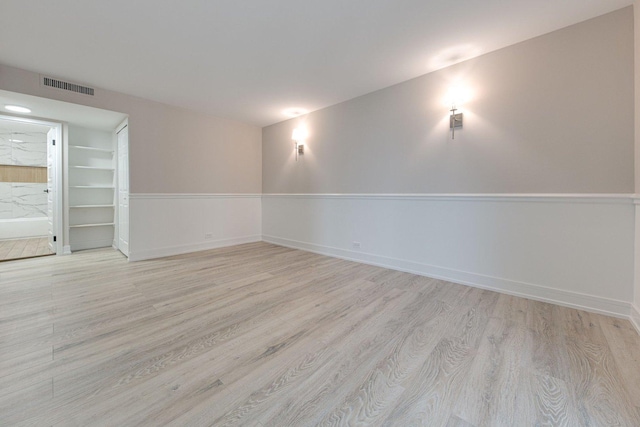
(92, 168)
(106, 224)
(85, 147)
(92, 177)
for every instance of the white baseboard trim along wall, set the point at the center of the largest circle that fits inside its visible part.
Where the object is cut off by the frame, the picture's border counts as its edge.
(571, 250)
(635, 317)
(172, 224)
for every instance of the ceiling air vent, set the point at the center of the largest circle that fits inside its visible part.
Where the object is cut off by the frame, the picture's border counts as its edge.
(59, 84)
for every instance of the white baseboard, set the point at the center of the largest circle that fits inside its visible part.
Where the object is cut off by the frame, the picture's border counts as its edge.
(66, 250)
(634, 318)
(576, 300)
(195, 247)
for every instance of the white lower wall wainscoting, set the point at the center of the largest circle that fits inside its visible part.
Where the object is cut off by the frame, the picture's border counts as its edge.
(171, 224)
(572, 250)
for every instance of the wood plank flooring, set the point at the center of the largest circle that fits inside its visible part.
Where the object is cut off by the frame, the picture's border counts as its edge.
(24, 248)
(261, 335)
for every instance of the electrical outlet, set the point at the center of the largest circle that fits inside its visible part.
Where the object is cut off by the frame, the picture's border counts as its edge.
(208, 235)
(356, 245)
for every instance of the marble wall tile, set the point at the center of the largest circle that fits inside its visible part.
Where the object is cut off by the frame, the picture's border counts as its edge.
(29, 153)
(23, 200)
(5, 151)
(32, 152)
(6, 205)
(29, 200)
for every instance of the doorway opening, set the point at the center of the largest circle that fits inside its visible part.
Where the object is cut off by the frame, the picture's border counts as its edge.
(30, 218)
(85, 193)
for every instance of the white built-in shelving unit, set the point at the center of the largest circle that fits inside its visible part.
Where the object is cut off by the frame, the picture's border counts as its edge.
(91, 183)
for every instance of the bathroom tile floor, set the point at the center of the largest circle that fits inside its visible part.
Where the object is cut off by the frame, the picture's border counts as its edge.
(24, 248)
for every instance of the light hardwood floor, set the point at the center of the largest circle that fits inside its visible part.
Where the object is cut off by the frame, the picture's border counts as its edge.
(24, 248)
(261, 335)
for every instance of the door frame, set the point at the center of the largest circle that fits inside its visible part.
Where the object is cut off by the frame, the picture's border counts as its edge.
(116, 236)
(57, 173)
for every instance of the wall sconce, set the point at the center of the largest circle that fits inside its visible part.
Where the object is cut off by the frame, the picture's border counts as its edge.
(456, 97)
(299, 136)
(455, 121)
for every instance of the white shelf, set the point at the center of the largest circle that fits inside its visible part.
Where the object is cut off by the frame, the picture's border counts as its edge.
(106, 224)
(92, 168)
(83, 147)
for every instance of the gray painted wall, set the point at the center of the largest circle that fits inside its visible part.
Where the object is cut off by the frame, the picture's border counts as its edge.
(550, 115)
(172, 150)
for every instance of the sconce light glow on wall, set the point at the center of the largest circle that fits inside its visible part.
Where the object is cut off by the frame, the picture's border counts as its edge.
(456, 96)
(299, 137)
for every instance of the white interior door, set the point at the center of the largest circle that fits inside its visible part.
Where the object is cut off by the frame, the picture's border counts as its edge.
(51, 187)
(123, 190)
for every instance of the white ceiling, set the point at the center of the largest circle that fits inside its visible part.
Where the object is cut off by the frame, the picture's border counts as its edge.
(251, 59)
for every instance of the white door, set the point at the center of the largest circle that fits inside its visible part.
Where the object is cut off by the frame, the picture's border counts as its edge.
(51, 187)
(123, 190)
